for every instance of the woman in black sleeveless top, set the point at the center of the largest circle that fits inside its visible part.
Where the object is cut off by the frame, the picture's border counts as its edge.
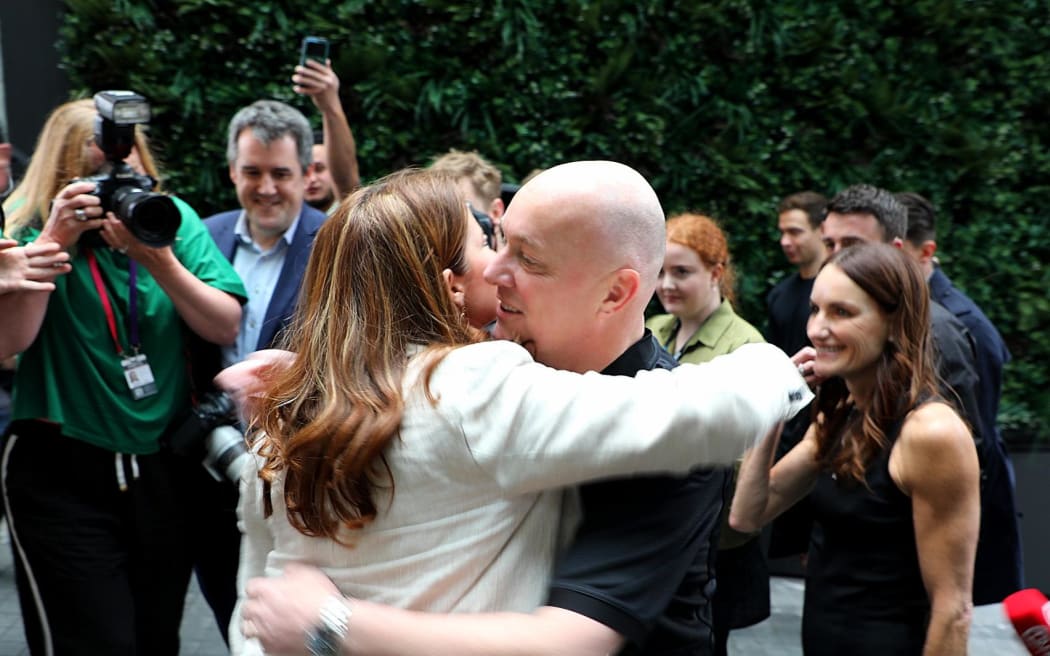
(891, 471)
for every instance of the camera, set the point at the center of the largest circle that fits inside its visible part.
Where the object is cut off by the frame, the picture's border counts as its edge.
(151, 217)
(209, 433)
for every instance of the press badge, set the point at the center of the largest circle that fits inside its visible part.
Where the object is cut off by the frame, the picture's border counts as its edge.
(139, 376)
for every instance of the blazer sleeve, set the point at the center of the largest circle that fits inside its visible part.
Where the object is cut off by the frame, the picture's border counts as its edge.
(533, 428)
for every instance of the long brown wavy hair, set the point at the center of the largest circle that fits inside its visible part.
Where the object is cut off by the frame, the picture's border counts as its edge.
(848, 439)
(373, 288)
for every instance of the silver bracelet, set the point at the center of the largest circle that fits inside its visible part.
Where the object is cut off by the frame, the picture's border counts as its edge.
(326, 639)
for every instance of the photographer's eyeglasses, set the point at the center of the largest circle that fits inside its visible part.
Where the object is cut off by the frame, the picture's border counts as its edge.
(487, 226)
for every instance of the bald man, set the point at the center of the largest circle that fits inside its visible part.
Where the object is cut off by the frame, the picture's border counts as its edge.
(581, 248)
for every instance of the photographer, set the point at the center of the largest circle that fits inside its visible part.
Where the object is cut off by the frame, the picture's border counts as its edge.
(94, 503)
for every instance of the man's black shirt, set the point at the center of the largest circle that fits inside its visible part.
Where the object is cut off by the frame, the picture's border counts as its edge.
(642, 562)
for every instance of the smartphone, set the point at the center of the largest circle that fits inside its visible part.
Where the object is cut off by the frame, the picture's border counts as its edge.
(314, 47)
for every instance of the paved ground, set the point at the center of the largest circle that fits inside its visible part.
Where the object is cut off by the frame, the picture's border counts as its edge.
(991, 634)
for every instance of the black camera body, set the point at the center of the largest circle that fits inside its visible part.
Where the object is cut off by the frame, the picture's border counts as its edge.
(209, 433)
(151, 217)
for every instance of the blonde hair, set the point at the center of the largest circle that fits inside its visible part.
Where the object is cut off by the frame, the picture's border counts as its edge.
(61, 154)
(485, 178)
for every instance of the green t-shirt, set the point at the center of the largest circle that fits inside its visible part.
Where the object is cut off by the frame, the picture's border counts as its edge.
(72, 374)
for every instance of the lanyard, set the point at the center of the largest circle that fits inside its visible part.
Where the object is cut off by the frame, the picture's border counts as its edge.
(111, 321)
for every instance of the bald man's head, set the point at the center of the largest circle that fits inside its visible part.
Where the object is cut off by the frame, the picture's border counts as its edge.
(584, 245)
(615, 206)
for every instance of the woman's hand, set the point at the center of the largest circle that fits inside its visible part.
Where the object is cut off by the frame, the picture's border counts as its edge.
(277, 611)
(119, 238)
(32, 267)
(74, 211)
(805, 361)
(247, 380)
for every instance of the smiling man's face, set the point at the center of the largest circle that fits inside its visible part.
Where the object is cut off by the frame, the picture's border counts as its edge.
(270, 184)
(548, 278)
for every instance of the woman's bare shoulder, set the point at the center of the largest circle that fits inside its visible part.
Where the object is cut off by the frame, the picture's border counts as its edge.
(935, 446)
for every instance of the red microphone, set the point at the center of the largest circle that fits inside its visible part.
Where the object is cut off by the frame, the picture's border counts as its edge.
(1029, 611)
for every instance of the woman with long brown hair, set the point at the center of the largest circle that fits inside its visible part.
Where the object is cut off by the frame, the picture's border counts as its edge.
(421, 467)
(890, 469)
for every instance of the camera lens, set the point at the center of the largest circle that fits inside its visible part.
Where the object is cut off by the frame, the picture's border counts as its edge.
(226, 453)
(153, 218)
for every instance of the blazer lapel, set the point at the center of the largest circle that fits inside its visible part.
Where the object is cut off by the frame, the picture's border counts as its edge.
(285, 293)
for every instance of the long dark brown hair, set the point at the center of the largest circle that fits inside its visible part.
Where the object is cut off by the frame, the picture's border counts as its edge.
(373, 288)
(905, 376)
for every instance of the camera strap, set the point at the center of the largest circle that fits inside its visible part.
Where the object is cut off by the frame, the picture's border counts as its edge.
(137, 373)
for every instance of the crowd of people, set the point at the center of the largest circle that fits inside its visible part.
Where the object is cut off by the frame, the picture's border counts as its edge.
(462, 435)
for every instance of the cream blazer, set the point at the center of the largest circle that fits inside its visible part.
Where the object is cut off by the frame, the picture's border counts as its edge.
(473, 522)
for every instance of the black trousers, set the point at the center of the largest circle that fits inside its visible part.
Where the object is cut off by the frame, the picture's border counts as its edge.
(101, 570)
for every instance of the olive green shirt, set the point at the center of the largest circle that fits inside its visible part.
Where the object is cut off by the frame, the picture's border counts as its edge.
(722, 333)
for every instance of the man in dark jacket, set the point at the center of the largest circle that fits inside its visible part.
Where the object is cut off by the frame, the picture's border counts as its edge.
(1000, 525)
(268, 241)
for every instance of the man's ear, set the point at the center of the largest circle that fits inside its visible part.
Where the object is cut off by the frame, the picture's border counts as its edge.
(496, 209)
(623, 286)
(233, 174)
(928, 250)
(897, 242)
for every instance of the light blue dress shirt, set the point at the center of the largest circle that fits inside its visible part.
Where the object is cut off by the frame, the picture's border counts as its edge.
(259, 270)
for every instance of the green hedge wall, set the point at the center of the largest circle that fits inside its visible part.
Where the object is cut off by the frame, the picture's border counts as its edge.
(724, 106)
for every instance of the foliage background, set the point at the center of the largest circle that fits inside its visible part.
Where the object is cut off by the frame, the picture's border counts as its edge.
(724, 105)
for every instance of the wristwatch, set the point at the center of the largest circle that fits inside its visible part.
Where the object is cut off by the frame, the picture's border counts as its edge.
(326, 638)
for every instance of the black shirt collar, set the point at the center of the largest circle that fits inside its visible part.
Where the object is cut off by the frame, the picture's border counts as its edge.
(643, 355)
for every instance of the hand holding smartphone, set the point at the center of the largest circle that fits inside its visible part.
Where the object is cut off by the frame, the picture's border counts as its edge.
(313, 47)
